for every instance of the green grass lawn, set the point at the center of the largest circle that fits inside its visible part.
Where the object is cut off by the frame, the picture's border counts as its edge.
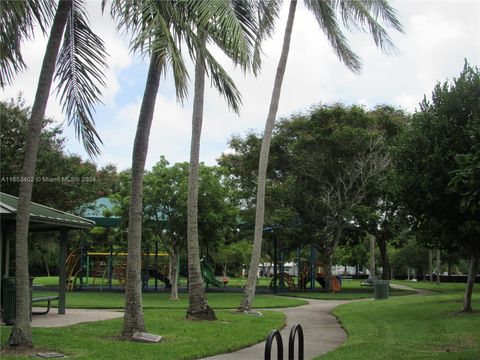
(410, 327)
(182, 339)
(53, 281)
(109, 300)
(442, 287)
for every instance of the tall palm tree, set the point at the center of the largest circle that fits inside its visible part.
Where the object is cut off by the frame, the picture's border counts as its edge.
(151, 24)
(79, 68)
(250, 22)
(362, 14)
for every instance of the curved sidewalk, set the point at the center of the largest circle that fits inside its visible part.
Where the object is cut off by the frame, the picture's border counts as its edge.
(72, 317)
(322, 332)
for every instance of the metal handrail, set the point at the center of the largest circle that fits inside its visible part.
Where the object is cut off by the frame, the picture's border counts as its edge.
(297, 328)
(274, 334)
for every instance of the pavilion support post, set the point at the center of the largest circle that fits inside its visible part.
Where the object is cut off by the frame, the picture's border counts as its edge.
(6, 239)
(62, 266)
(110, 266)
(3, 250)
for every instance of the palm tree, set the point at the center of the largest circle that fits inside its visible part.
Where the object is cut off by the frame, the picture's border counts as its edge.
(151, 23)
(240, 19)
(359, 14)
(79, 73)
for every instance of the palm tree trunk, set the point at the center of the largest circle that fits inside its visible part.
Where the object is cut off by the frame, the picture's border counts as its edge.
(246, 302)
(198, 308)
(472, 274)
(133, 320)
(21, 335)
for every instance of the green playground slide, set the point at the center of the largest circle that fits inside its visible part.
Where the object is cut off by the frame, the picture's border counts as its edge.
(208, 276)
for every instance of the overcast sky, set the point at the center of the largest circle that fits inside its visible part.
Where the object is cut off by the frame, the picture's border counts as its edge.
(439, 35)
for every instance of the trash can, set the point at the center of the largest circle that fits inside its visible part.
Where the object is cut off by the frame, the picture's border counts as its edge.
(9, 298)
(381, 288)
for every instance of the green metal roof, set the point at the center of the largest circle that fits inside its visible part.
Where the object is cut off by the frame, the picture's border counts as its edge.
(101, 211)
(42, 217)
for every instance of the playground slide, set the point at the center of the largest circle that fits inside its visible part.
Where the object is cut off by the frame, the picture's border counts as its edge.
(335, 284)
(161, 277)
(321, 280)
(208, 275)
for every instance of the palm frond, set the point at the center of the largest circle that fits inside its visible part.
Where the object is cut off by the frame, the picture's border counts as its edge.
(365, 15)
(324, 11)
(222, 81)
(163, 27)
(231, 25)
(155, 28)
(268, 12)
(17, 24)
(81, 72)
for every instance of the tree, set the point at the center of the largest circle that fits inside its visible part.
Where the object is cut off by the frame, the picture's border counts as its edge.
(337, 155)
(381, 214)
(63, 181)
(435, 163)
(80, 72)
(164, 208)
(165, 204)
(359, 14)
(322, 184)
(239, 20)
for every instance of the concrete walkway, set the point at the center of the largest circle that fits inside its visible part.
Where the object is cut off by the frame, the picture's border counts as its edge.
(322, 332)
(73, 316)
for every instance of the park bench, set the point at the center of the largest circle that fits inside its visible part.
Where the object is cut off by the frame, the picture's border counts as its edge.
(347, 277)
(42, 299)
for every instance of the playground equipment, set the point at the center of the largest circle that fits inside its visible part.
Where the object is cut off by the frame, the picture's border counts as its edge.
(73, 269)
(208, 274)
(286, 278)
(103, 268)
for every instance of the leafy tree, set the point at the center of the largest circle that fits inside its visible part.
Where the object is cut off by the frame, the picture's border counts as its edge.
(363, 15)
(336, 156)
(322, 184)
(436, 164)
(381, 215)
(165, 202)
(62, 180)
